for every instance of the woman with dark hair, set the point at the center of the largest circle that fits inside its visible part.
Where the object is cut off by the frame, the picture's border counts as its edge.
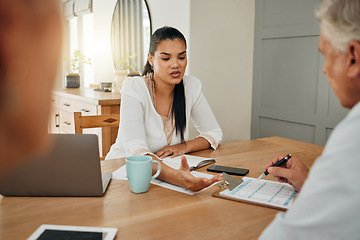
(156, 109)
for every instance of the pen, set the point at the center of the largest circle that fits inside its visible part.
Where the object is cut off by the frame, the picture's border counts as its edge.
(277, 164)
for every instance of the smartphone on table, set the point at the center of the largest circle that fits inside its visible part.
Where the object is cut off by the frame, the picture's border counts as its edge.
(228, 170)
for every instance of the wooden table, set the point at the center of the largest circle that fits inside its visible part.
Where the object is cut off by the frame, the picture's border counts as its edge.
(160, 213)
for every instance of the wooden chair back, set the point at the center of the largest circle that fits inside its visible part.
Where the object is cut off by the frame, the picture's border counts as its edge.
(97, 121)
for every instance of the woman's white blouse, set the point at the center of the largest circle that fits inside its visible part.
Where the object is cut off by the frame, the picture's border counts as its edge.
(141, 129)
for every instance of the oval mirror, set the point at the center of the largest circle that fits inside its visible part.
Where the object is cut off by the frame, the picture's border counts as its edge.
(130, 35)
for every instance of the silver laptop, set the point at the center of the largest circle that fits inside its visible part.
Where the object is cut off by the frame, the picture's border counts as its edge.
(71, 167)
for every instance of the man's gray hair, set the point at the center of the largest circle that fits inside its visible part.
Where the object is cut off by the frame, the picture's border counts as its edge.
(340, 21)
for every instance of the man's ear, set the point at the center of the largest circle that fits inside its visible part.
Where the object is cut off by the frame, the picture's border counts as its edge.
(354, 59)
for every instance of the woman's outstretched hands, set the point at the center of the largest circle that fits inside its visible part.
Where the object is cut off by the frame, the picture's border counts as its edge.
(295, 172)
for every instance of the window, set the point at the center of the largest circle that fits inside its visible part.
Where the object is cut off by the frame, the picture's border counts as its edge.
(88, 47)
(80, 20)
(73, 35)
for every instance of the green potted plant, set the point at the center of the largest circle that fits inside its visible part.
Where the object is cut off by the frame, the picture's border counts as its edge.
(74, 64)
(125, 66)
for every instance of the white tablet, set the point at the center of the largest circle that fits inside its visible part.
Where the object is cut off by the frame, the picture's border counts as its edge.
(53, 232)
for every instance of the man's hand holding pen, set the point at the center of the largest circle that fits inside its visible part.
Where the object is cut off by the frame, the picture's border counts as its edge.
(293, 172)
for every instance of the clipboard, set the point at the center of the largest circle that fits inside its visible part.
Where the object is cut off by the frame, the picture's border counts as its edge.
(252, 191)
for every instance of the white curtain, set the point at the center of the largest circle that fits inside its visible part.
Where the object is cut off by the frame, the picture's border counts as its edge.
(127, 34)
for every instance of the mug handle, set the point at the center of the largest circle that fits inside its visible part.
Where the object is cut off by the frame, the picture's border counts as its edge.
(158, 171)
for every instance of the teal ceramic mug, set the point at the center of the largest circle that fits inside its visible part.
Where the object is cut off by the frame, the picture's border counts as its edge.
(139, 171)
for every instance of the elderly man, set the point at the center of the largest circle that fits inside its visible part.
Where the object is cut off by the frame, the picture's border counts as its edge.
(328, 206)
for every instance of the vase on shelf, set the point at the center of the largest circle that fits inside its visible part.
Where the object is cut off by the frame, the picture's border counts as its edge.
(119, 77)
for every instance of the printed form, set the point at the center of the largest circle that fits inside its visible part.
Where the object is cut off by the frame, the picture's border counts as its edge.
(263, 191)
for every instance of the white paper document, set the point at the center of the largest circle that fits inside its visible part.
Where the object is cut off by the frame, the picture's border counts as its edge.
(120, 173)
(263, 191)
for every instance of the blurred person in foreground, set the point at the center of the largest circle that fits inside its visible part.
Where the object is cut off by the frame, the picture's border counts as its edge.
(30, 48)
(328, 205)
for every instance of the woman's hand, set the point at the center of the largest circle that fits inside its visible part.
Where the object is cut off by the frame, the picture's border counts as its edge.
(193, 145)
(172, 150)
(295, 172)
(192, 183)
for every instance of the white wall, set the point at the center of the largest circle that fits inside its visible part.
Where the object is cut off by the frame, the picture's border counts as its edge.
(222, 44)
(173, 13)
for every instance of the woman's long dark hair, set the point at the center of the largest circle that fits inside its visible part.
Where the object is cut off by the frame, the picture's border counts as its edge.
(178, 106)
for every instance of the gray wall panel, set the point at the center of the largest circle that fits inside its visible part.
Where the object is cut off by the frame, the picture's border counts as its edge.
(335, 108)
(290, 73)
(297, 131)
(328, 132)
(297, 12)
